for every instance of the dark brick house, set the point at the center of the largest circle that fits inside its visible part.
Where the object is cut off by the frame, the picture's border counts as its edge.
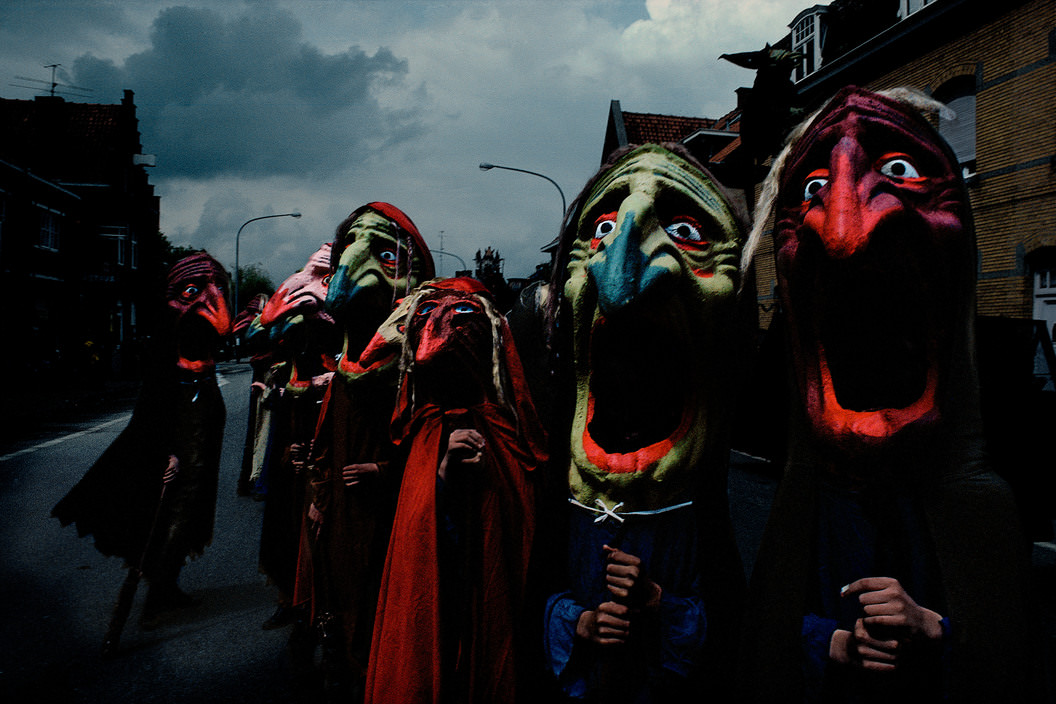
(79, 242)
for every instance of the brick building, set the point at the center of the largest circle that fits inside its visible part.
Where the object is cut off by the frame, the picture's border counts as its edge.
(993, 62)
(78, 236)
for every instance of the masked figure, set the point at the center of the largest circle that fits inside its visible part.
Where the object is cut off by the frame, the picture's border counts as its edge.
(646, 292)
(892, 567)
(378, 258)
(453, 588)
(247, 324)
(307, 340)
(175, 434)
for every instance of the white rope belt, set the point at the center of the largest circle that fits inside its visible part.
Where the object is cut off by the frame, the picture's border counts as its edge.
(604, 512)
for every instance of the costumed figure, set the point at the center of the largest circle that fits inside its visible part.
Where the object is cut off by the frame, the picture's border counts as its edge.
(378, 257)
(452, 593)
(649, 332)
(892, 567)
(151, 497)
(271, 371)
(247, 326)
(307, 339)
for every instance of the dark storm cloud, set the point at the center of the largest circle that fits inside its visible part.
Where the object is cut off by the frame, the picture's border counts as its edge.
(246, 95)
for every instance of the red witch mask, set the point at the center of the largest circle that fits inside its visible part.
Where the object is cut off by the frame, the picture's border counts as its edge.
(874, 260)
(195, 294)
(451, 335)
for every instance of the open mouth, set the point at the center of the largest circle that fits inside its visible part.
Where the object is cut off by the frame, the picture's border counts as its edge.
(638, 396)
(873, 369)
(873, 330)
(197, 339)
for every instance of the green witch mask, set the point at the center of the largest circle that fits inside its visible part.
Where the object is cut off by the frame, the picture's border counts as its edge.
(652, 282)
(378, 257)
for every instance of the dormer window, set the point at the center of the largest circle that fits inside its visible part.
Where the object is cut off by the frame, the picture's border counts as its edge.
(908, 7)
(807, 40)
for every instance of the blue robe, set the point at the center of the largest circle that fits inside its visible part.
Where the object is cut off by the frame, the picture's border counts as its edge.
(663, 655)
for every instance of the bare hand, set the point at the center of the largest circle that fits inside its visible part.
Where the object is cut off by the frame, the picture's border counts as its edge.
(888, 606)
(626, 582)
(892, 620)
(609, 624)
(171, 470)
(356, 474)
(465, 446)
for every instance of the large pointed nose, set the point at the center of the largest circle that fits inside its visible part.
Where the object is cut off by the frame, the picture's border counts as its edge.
(432, 340)
(845, 221)
(350, 278)
(633, 261)
(275, 307)
(213, 307)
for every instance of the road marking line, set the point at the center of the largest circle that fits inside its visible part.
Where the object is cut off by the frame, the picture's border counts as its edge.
(220, 382)
(64, 438)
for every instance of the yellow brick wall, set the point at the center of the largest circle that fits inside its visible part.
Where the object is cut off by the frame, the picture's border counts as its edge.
(1015, 124)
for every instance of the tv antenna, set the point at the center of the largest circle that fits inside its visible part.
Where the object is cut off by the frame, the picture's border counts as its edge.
(53, 85)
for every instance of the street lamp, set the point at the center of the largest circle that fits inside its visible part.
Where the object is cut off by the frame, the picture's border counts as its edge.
(460, 259)
(485, 166)
(237, 274)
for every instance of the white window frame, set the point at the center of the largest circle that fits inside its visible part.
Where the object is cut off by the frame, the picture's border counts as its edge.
(119, 235)
(49, 236)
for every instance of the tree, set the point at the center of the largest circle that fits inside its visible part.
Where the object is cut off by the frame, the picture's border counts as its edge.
(252, 280)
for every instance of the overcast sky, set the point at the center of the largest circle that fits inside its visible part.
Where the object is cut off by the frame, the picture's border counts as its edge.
(255, 107)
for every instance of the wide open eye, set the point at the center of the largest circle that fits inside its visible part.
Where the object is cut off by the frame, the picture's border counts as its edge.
(898, 166)
(327, 279)
(388, 256)
(426, 308)
(686, 231)
(190, 291)
(604, 225)
(466, 308)
(814, 182)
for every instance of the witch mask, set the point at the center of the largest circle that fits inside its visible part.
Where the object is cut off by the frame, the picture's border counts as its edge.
(874, 259)
(652, 278)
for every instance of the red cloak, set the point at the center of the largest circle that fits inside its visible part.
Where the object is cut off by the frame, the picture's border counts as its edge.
(405, 664)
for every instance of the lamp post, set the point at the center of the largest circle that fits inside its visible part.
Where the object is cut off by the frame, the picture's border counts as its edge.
(460, 259)
(295, 214)
(485, 166)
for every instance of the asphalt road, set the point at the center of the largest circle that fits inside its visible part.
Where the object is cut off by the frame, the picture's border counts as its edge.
(57, 592)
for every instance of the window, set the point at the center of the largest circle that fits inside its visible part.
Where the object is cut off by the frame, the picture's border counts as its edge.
(805, 41)
(959, 95)
(115, 241)
(50, 228)
(908, 7)
(803, 31)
